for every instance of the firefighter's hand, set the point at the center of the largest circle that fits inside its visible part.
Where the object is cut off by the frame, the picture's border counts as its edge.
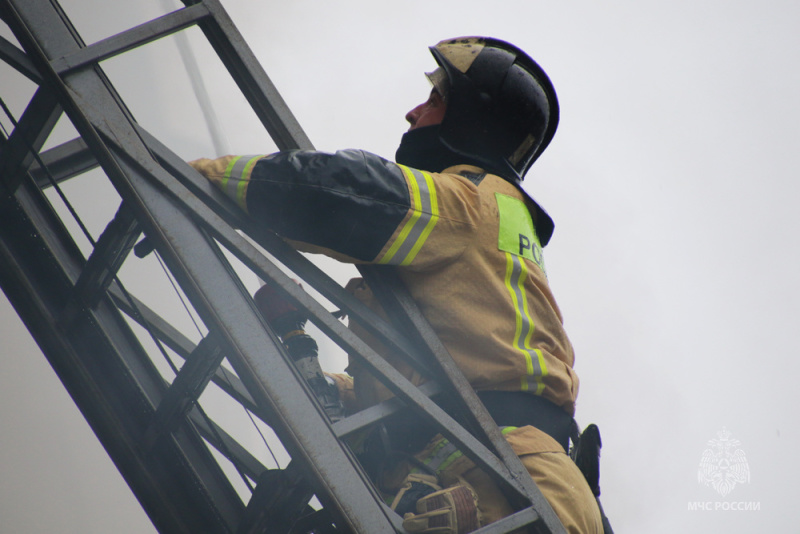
(212, 169)
(453, 510)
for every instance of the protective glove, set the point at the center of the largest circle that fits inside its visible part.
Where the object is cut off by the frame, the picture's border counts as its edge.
(229, 173)
(453, 510)
(414, 487)
(212, 169)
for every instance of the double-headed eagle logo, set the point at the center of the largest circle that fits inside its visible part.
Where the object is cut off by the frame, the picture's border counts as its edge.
(723, 464)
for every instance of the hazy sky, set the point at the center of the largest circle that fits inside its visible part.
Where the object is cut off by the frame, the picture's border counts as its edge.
(673, 182)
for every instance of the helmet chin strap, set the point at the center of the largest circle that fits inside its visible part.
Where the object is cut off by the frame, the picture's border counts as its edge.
(422, 149)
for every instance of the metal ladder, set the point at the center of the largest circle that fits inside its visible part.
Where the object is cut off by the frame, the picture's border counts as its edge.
(167, 449)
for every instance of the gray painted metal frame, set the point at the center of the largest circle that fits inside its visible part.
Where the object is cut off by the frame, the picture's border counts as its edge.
(74, 306)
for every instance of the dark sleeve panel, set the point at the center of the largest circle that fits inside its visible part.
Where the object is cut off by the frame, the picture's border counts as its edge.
(350, 202)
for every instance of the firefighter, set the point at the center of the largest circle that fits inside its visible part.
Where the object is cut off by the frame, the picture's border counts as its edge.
(467, 242)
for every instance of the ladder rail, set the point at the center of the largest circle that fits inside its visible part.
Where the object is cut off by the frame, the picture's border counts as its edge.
(186, 220)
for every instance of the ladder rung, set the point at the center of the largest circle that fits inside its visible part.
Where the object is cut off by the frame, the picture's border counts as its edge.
(138, 36)
(185, 389)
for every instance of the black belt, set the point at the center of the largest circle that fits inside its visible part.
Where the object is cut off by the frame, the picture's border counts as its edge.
(409, 433)
(518, 408)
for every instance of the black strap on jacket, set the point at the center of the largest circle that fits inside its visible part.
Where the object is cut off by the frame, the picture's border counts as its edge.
(518, 408)
(408, 433)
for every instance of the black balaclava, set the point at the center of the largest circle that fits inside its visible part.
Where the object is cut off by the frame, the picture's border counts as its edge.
(421, 148)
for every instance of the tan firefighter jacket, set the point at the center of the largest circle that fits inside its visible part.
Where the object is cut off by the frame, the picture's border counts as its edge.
(468, 246)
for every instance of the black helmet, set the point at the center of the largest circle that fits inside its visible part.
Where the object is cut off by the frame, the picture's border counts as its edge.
(502, 109)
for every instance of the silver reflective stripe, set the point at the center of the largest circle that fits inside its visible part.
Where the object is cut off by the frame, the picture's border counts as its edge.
(235, 175)
(441, 456)
(447, 453)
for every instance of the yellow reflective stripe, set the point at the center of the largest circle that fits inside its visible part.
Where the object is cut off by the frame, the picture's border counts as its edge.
(237, 177)
(424, 215)
(442, 443)
(440, 449)
(224, 182)
(443, 454)
(415, 215)
(523, 272)
(517, 315)
(536, 368)
(543, 367)
(450, 459)
(432, 220)
(241, 189)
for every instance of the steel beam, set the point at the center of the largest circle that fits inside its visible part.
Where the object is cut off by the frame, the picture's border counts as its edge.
(249, 75)
(130, 39)
(73, 306)
(202, 271)
(107, 257)
(17, 59)
(185, 389)
(106, 372)
(28, 137)
(62, 162)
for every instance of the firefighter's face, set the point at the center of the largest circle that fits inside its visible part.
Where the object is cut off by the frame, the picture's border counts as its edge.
(428, 113)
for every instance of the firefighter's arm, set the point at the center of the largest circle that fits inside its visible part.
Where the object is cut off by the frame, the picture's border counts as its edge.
(348, 203)
(352, 205)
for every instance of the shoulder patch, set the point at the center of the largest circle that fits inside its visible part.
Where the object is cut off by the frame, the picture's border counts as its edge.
(517, 234)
